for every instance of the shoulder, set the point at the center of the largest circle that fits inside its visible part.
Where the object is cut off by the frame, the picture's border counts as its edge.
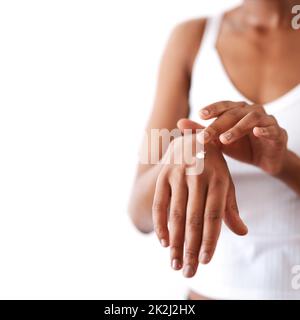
(185, 39)
(190, 28)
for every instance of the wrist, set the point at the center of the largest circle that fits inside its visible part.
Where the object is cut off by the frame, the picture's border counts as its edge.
(289, 163)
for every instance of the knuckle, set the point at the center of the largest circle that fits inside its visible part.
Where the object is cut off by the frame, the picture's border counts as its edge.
(177, 215)
(191, 254)
(242, 104)
(213, 215)
(195, 220)
(272, 119)
(284, 134)
(209, 244)
(158, 207)
(256, 115)
(219, 180)
(277, 133)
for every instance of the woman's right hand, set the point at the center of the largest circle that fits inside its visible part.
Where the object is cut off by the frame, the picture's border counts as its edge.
(188, 209)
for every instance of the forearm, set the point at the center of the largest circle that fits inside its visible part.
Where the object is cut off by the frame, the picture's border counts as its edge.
(140, 205)
(290, 174)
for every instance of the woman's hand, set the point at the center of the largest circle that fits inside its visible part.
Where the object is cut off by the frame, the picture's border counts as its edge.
(246, 133)
(194, 206)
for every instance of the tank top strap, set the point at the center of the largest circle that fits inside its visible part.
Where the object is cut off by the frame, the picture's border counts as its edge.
(212, 30)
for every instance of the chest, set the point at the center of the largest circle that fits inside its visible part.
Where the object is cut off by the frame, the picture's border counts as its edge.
(261, 68)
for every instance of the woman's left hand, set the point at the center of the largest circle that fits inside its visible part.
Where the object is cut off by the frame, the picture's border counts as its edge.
(246, 133)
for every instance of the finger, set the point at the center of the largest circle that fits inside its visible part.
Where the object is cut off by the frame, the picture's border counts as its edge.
(185, 124)
(160, 210)
(177, 221)
(232, 217)
(272, 132)
(194, 226)
(246, 125)
(216, 109)
(214, 212)
(225, 122)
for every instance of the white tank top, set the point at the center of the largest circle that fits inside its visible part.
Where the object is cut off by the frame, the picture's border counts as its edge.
(261, 264)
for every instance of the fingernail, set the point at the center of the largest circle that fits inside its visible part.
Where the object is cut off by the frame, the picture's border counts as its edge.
(204, 112)
(188, 271)
(262, 130)
(227, 136)
(164, 243)
(176, 264)
(204, 258)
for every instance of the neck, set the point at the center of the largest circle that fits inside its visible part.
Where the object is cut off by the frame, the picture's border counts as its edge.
(268, 14)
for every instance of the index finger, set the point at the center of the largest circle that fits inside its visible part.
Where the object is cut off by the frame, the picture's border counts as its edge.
(216, 109)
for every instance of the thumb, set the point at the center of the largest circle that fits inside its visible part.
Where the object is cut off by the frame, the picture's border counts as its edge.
(232, 218)
(184, 124)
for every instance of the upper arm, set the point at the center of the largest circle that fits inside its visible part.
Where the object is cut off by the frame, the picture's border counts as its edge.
(172, 94)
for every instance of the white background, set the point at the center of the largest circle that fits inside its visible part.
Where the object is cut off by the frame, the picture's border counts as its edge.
(77, 80)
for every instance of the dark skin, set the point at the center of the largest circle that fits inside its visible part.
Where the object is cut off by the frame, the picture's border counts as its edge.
(262, 61)
(260, 52)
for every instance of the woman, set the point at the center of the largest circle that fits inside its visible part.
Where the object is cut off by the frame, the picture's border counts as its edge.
(242, 71)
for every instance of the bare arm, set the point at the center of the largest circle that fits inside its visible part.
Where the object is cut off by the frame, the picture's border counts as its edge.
(171, 104)
(290, 173)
